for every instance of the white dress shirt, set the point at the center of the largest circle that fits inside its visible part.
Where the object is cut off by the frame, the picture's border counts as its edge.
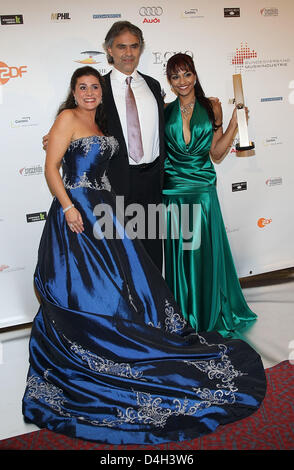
(147, 111)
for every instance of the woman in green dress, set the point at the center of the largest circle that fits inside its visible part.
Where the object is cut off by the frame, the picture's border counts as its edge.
(199, 270)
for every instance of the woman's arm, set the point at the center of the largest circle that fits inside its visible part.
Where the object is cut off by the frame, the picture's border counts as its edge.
(59, 139)
(222, 140)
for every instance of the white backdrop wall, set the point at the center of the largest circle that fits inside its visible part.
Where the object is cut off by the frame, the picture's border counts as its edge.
(42, 43)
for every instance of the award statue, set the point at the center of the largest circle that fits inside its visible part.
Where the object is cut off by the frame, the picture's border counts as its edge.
(244, 143)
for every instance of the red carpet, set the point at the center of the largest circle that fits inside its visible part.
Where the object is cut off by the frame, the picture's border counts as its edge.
(270, 428)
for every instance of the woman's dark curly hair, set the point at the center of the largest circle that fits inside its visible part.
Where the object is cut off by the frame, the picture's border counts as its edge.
(69, 103)
(185, 62)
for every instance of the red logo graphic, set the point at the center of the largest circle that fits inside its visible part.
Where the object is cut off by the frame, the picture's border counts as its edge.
(7, 72)
(3, 266)
(152, 20)
(243, 53)
(262, 222)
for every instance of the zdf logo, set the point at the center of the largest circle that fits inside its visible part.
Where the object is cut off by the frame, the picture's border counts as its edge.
(6, 72)
(262, 222)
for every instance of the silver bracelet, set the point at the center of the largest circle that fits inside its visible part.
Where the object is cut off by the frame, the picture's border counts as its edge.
(67, 208)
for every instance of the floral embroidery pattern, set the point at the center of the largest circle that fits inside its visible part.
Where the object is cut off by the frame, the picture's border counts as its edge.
(174, 322)
(103, 365)
(84, 182)
(218, 369)
(40, 390)
(86, 143)
(150, 410)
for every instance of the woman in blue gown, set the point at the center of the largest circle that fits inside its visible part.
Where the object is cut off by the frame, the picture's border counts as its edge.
(111, 357)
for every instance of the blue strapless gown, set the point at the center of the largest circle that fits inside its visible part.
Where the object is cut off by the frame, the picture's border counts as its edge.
(111, 356)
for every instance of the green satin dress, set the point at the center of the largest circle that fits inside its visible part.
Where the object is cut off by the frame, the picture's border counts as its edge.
(199, 267)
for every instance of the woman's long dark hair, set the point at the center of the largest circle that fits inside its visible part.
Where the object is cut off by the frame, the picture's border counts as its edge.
(185, 62)
(69, 103)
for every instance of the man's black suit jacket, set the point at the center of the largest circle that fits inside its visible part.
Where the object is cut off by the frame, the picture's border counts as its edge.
(118, 172)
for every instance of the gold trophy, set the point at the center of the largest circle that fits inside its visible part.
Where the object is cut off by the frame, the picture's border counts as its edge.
(244, 143)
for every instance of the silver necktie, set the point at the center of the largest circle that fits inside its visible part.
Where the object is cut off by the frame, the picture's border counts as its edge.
(135, 145)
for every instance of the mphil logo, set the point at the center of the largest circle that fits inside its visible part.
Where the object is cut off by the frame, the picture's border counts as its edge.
(60, 16)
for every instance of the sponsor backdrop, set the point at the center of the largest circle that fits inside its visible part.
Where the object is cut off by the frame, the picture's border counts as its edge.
(42, 43)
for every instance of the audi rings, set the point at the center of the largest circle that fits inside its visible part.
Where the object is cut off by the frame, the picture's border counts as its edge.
(150, 11)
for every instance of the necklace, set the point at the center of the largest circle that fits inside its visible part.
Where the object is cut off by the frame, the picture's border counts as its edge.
(187, 109)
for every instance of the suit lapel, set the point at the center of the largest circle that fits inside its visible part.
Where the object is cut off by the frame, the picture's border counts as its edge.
(155, 88)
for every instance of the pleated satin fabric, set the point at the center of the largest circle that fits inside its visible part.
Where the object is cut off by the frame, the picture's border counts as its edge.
(203, 278)
(112, 359)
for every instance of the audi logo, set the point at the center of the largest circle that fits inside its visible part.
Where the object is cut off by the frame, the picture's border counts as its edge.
(150, 11)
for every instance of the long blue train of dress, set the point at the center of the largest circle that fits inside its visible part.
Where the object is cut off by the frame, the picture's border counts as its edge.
(112, 359)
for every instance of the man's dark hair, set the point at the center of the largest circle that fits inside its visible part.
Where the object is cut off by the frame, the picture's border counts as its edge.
(118, 28)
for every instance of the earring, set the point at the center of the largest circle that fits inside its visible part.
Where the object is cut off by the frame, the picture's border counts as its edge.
(75, 101)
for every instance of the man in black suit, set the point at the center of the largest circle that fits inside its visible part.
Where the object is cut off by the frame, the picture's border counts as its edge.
(140, 182)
